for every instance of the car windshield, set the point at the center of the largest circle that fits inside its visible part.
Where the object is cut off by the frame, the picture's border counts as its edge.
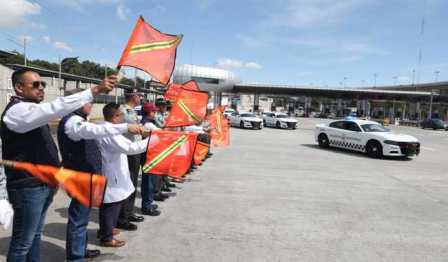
(438, 121)
(282, 116)
(247, 115)
(374, 128)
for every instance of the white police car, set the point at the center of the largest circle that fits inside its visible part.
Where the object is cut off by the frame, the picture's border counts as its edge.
(279, 120)
(246, 120)
(366, 136)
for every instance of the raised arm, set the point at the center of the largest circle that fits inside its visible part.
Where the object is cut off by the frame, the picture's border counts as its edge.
(25, 116)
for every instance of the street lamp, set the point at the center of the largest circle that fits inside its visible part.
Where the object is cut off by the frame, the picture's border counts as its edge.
(436, 73)
(374, 79)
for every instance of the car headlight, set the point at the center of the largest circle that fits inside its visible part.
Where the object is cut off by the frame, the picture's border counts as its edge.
(390, 142)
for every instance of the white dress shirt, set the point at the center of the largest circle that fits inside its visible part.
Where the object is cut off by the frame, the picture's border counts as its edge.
(114, 151)
(77, 128)
(26, 116)
(150, 126)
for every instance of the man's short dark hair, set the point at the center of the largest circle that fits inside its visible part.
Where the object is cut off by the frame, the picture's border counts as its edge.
(17, 76)
(109, 110)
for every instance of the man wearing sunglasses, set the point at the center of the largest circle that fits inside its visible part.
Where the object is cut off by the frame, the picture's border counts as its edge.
(26, 137)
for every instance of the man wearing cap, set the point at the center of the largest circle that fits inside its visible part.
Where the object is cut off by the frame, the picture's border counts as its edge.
(127, 215)
(148, 180)
(26, 137)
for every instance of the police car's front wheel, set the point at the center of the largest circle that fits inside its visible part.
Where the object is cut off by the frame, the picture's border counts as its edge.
(322, 139)
(374, 149)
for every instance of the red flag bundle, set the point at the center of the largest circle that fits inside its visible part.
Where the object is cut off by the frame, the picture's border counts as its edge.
(200, 152)
(189, 108)
(169, 153)
(173, 90)
(151, 51)
(220, 131)
(87, 188)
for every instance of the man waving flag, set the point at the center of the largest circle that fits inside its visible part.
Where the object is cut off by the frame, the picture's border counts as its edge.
(151, 51)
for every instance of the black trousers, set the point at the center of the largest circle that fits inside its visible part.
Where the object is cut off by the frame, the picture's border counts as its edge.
(127, 209)
(109, 213)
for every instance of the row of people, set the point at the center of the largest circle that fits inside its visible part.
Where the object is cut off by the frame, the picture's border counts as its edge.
(95, 148)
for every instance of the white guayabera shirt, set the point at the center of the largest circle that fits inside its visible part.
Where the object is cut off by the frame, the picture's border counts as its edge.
(114, 151)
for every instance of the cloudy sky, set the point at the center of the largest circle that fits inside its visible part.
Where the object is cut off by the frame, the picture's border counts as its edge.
(306, 42)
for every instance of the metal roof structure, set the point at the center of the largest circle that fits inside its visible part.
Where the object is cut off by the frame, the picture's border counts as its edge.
(358, 93)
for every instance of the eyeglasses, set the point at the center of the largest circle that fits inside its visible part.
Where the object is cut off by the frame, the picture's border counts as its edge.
(37, 84)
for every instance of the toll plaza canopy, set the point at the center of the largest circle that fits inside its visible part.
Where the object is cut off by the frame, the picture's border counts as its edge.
(355, 93)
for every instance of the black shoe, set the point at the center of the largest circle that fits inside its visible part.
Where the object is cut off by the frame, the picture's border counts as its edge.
(127, 226)
(171, 185)
(166, 189)
(92, 253)
(209, 154)
(151, 212)
(159, 197)
(155, 206)
(135, 218)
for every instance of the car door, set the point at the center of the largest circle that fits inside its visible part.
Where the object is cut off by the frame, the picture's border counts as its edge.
(335, 133)
(352, 136)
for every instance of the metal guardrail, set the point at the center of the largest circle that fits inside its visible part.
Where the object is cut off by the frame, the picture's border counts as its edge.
(414, 123)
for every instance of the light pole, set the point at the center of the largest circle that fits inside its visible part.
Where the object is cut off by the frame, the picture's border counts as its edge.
(374, 79)
(436, 73)
(23, 45)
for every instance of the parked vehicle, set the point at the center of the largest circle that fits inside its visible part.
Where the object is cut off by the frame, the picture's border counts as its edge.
(246, 120)
(434, 123)
(279, 120)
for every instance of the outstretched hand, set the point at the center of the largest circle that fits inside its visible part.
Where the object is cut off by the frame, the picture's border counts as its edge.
(107, 85)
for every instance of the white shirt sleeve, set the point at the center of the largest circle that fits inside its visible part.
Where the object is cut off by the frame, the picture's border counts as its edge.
(121, 144)
(77, 128)
(26, 116)
(150, 126)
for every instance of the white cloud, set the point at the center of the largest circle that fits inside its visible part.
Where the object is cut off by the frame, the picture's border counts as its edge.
(228, 63)
(46, 39)
(122, 11)
(63, 46)
(312, 13)
(253, 65)
(13, 13)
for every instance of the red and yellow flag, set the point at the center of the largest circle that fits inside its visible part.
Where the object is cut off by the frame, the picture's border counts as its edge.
(173, 90)
(220, 131)
(189, 108)
(200, 152)
(87, 188)
(151, 51)
(169, 153)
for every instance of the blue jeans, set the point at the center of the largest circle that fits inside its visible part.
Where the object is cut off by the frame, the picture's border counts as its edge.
(148, 182)
(30, 206)
(78, 219)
